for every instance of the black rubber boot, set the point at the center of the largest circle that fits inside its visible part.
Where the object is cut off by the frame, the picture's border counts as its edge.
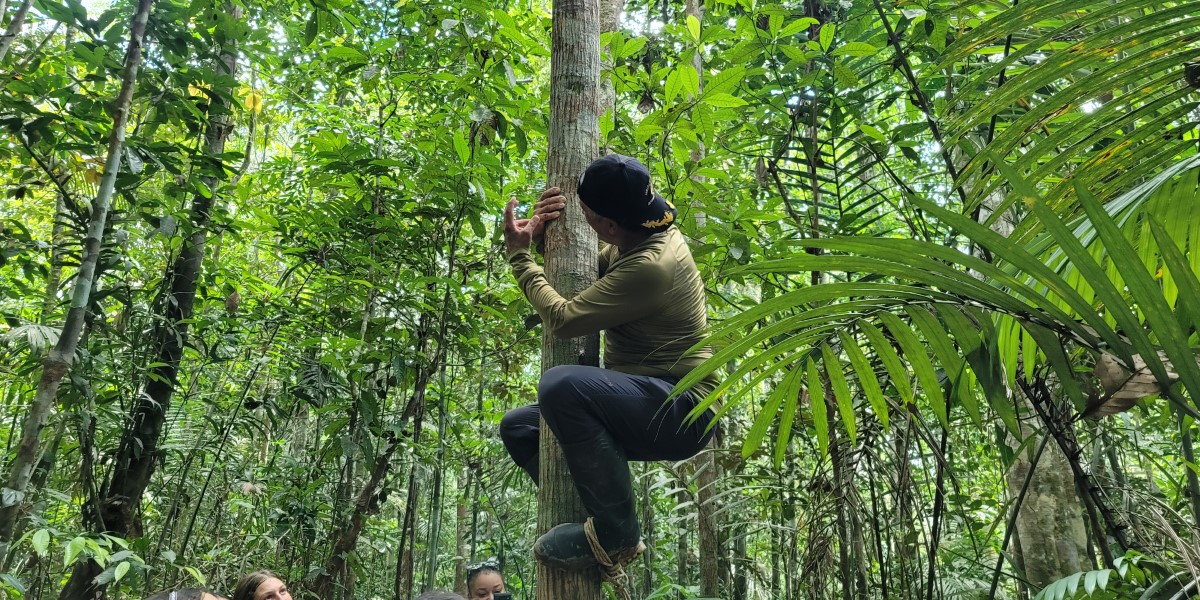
(602, 478)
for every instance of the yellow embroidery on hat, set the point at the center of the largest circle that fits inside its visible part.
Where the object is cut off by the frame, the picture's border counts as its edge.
(668, 218)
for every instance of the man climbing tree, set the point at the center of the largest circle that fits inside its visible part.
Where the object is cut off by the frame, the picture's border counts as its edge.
(649, 301)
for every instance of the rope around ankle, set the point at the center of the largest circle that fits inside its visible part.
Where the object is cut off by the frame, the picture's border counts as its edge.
(610, 570)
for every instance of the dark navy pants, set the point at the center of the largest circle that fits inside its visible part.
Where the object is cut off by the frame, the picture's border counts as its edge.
(580, 403)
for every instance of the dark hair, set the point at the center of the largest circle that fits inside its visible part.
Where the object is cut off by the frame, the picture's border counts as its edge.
(488, 566)
(439, 595)
(185, 594)
(248, 584)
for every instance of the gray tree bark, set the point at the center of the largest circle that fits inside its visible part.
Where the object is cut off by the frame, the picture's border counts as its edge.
(14, 27)
(1050, 523)
(56, 365)
(571, 255)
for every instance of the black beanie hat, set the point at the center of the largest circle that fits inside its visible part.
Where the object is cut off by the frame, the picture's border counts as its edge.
(619, 187)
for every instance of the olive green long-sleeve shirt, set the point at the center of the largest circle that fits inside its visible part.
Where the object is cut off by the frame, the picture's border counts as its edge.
(649, 302)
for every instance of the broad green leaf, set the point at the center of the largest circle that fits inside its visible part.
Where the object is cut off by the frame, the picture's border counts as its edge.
(690, 80)
(841, 391)
(723, 100)
(461, 147)
(693, 27)
(868, 381)
(816, 398)
(855, 49)
(633, 46)
(799, 25)
(122, 569)
(825, 37)
(891, 361)
(41, 542)
(74, 547)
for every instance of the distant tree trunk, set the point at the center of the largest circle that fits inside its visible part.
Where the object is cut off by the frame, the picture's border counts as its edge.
(435, 505)
(408, 529)
(610, 20)
(706, 508)
(14, 27)
(137, 455)
(740, 564)
(682, 551)
(56, 365)
(462, 516)
(1050, 525)
(369, 497)
(571, 254)
(648, 534)
(54, 279)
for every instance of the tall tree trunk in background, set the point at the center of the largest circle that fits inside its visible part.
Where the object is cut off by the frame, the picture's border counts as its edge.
(435, 505)
(54, 279)
(337, 573)
(1050, 525)
(682, 552)
(56, 365)
(610, 21)
(706, 464)
(648, 534)
(137, 455)
(462, 516)
(14, 27)
(571, 255)
(706, 508)
(408, 528)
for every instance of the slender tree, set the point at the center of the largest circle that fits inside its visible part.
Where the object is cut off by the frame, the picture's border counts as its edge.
(571, 254)
(62, 356)
(137, 456)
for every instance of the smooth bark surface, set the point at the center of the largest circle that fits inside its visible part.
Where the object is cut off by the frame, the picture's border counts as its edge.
(571, 255)
(56, 365)
(137, 457)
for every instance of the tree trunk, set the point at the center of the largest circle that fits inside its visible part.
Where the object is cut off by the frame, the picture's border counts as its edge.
(571, 254)
(137, 455)
(54, 279)
(462, 517)
(435, 505)
(408, 531)
(56, 365)
(1050, 524)
(610, 20)
(648, 535)
(337, 567)
(706, 508)
(14, 27)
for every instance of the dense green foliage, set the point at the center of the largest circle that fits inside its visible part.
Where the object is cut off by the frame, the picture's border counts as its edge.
(926, 227)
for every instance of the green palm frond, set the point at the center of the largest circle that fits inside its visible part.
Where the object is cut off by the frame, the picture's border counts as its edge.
(1087, 92)
(904, 310)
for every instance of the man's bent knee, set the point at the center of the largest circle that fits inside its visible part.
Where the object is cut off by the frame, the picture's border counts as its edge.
(558, 386)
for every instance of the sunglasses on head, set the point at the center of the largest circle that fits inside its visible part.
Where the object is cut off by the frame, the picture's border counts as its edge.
(490, 564)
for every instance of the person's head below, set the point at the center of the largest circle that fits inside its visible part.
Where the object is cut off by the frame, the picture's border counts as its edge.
(186, 594)
(439, 595)
(261, 585)
(484, 580)
(619, 201)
